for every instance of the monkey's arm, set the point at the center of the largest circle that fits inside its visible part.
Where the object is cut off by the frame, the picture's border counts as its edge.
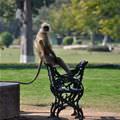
(43, 51)
(52, 52)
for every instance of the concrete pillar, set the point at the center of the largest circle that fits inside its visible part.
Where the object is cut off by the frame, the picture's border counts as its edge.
(9, 100)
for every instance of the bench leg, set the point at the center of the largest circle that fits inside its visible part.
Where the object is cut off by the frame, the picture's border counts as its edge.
(55, 108)
(61, 107)
(52, 113)
(79, 113)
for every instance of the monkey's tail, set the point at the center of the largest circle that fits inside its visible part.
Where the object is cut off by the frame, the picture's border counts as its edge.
(39, 68)
(30, 82)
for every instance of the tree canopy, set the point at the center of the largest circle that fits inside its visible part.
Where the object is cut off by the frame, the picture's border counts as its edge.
(37, 4)
(7, 9)
(90, 16)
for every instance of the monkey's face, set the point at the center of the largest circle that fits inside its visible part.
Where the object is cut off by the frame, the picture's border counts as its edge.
(45, 27)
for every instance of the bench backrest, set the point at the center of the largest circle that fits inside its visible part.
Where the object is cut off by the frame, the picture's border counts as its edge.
(55, 76)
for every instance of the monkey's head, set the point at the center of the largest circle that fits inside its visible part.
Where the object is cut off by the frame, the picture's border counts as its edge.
(45, 27)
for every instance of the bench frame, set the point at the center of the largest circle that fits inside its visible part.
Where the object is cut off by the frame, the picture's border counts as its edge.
(67, 90)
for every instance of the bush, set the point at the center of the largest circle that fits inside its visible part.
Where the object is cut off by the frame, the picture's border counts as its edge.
(68, 40)
(6, 39)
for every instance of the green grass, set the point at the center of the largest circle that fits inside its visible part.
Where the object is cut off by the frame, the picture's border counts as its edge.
(36, 93)
(74, 56)
(11, 55)
(102, 87)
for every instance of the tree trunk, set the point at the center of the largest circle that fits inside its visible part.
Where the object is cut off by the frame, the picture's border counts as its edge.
(27, 55)
(92, 37)
(105, 39)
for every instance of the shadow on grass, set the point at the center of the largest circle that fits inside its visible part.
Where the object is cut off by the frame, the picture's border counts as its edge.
(102, 118)
(109, 118)
(42, 117)
(45, 116)
(37, 116)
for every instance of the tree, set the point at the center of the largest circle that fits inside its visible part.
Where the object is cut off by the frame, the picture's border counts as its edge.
(7, 9)
(85, 17)
(37, 4)
(25, 19)
(91, 17)
(99, 16)
(110, 18)
(43, 14)
(62, 21)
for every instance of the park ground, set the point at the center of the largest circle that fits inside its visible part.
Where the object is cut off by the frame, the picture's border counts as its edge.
(101, 100)
(42, 113)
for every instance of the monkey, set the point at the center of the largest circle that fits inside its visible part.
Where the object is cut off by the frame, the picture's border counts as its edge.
(44, 48)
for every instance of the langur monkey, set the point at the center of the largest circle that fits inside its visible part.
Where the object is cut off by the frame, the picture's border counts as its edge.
(44, 48)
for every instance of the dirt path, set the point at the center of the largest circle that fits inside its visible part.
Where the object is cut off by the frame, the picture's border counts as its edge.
(42, 113)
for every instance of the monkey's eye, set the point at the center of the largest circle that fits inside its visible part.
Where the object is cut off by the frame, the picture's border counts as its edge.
(46, 28)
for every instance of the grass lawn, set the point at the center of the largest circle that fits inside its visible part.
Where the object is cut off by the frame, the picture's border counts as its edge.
(102, 87)
(11, 55)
